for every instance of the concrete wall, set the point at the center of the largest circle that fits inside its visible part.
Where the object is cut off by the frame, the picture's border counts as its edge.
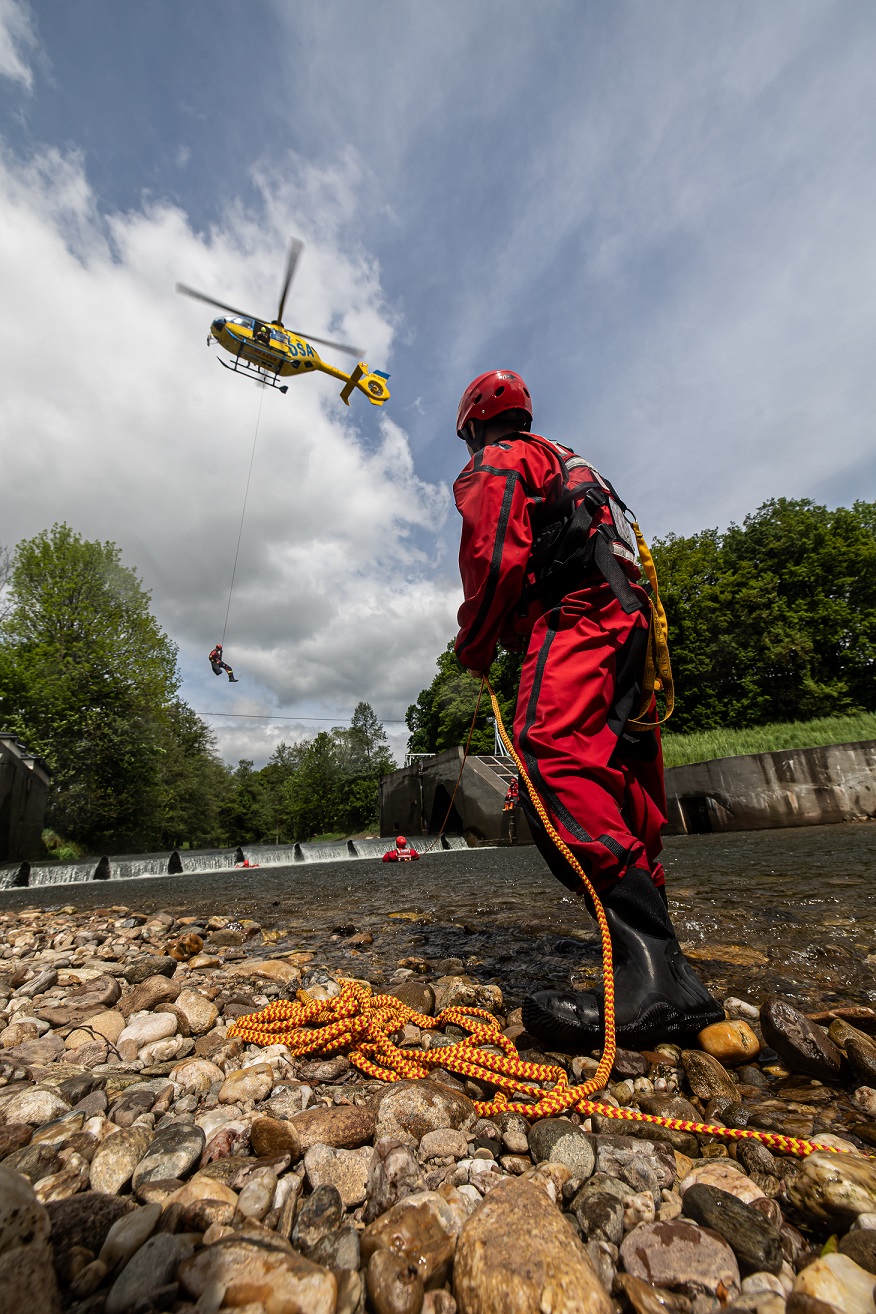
(414, 801)
(794, 787)
(24, 790)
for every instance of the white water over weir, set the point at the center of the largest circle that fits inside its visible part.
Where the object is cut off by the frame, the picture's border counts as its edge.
(190, 861)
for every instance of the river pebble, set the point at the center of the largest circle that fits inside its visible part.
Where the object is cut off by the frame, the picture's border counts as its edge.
(179, 1164)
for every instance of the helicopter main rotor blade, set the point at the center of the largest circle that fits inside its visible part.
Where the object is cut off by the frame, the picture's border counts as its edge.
(294, 252)
(324, 342)
(220, 305)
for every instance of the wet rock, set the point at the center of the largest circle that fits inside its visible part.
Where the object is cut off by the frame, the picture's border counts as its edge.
(152, 1268)
(417, 995)
(756, 1158)
(147, 966)
(804, 1046)
(36, 1106)
(864, 1099)
(461, 992)
(116, 1158)
(345, 1126)
(407, 1110)
(142, 1031)
(27, 1273)
(724, 1176)
(683, 1258)
(838, 1282)
(14, 1136)
(172, 1153)
(860, 1246)
(664, 1106)
(731, 1042)
(247, 1084)
(393, 1284)
(422, 1228)
(516, 1255)
(319, 1216)
(439, 1302)
(860, 1049)
(629, 1063)
(707, 1076)
(272, 1136)
(147, 995)
(128, 1234)
(755, 1241)
(393, 1174)
(186, 947)
(558, 1140)
(834, 1188)
(601, 1216)
(642, 1165)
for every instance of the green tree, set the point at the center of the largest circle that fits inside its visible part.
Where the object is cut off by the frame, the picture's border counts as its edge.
(775, 620)
(442, 715)
(86, 674)
(195, 783)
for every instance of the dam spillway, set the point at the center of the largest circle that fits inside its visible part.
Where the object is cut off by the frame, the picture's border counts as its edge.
(198, 861)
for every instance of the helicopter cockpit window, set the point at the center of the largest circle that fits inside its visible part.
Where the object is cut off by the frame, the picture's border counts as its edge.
(277, 337)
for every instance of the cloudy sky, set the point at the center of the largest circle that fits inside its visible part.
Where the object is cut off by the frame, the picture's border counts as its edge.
(662, 214)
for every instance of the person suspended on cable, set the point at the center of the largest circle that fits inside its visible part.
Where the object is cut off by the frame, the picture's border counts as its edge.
(219, 665)
(512, 798)
(403, 852)
(550, 567)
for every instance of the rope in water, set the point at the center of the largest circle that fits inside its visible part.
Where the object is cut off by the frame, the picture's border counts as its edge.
(255, 439)
(361, 1024)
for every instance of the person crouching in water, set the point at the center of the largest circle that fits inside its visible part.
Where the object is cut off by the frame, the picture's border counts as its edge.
(219, 666)
(402, 852)
(549, 564)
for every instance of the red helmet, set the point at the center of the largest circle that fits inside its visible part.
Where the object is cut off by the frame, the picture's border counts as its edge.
(490, 394)
(400, 842)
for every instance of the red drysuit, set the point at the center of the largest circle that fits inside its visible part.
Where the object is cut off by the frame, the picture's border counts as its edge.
(581, 681)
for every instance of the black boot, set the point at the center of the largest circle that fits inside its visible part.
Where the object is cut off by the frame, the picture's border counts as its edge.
(658, 996)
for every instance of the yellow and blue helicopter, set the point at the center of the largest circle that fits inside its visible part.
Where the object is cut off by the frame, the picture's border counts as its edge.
(265, 351)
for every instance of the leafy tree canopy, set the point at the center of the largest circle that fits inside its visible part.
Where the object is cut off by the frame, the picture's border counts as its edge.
(773, 620)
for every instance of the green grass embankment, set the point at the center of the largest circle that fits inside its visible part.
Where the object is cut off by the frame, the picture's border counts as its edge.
(678, 750)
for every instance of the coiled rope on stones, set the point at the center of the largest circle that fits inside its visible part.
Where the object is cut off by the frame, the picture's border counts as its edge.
(361, 1025)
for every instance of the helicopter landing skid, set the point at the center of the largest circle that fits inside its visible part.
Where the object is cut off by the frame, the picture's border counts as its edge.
(241, 366)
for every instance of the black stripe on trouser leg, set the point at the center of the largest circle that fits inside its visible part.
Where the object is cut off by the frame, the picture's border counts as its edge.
(559, 810)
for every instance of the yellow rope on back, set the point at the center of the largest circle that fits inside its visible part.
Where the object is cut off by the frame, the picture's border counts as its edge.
(658, 668)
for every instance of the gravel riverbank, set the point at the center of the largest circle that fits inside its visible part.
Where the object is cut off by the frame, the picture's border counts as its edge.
(151, 1162)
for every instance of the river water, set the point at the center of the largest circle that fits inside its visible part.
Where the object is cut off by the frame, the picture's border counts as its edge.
(790, 912)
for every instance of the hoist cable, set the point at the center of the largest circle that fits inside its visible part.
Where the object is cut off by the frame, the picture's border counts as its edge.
(255, 439)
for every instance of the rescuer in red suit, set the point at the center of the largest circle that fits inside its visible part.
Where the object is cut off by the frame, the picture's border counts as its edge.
(402, 852)
(549, 566)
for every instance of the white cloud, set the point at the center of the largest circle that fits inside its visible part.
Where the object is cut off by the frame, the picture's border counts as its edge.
(17, 38)
(116, 420)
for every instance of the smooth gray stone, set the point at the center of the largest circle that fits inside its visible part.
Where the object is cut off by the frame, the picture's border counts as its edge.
(172, 1153)
(152, 1267)
(755, 1241)
(558, 1140)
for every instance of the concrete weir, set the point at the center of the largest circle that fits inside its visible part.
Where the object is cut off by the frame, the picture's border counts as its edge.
(791, 787)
